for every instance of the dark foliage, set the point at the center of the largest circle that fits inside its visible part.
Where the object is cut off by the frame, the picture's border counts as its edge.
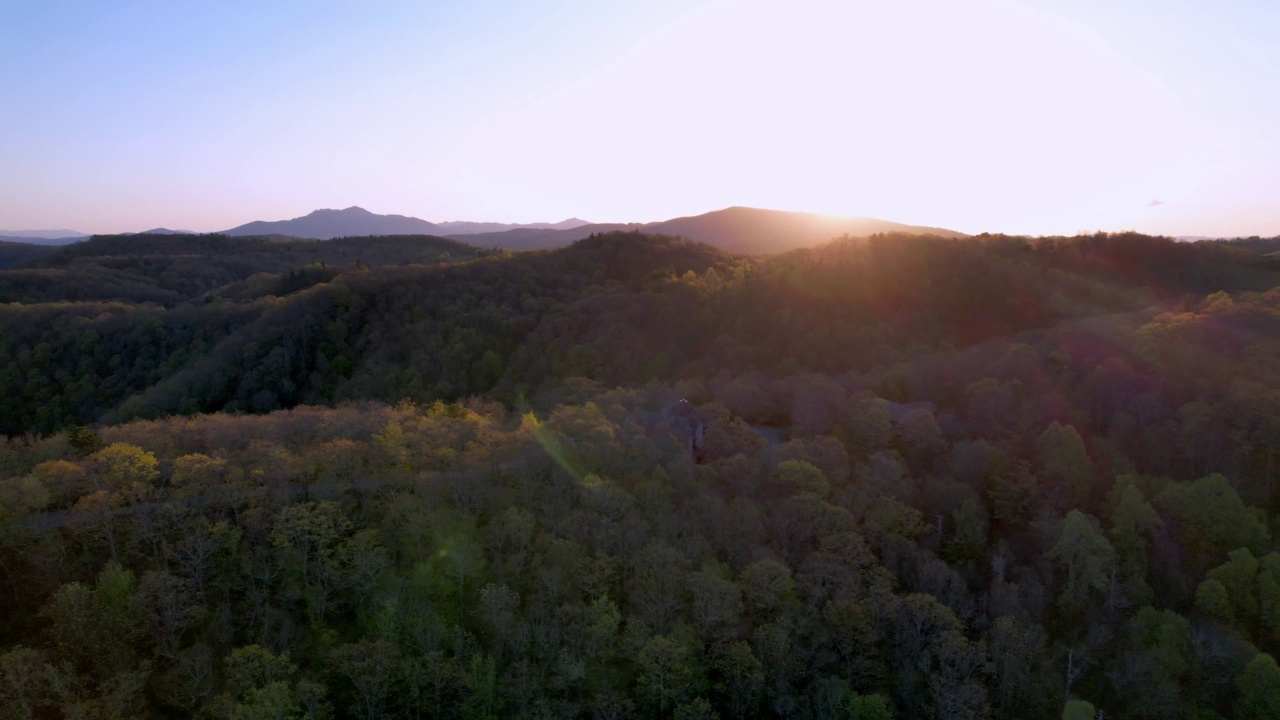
(896, 477)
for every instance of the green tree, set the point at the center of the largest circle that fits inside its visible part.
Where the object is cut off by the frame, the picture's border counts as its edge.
(669, 673)
(867, 707)
(798, 476)
(1133, 523)
(1078, 710)
(1209, 519)
(1087, 559)
(1259, 686)
(261, 685)
(1245, 590)
(310, 531)
(1065, 464)
(968, 543)
(739, 678)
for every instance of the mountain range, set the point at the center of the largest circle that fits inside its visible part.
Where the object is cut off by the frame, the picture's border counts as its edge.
(737, 229)
(43, 234)
(42, 237)
(356, 221)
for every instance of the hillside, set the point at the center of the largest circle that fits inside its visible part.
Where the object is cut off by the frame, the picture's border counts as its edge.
(902, 476)
(16, 254)
(40, 240)
(736, 229)
(231, 323)
(170, 269)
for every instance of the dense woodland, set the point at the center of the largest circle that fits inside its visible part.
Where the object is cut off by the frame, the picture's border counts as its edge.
(991, 477)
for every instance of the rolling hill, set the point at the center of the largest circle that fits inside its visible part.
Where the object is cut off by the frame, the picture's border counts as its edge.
(41, 239)
(16, 254)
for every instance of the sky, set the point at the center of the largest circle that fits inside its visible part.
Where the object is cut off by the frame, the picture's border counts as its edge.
(1031, 117)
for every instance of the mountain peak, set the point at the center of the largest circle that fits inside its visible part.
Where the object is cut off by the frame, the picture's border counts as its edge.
(737, 229)
(353, 210)
(166, 231)
(329, 223)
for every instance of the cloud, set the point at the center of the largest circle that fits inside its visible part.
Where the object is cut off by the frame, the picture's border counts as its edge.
(1155, 203)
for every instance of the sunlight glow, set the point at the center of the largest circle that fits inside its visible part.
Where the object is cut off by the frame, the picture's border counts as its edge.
(974, 114)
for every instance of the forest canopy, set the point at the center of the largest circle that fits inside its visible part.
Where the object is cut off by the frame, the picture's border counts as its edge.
(887, 477)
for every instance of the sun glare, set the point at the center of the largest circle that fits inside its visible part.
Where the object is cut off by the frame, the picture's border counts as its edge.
(969, 113)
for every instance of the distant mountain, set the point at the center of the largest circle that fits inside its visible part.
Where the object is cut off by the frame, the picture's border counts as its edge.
(329, 224)
(39, 240)
(356, 221)
(167, 231)
(43, 234)
(473, 228)
(737, 229)
(541, 238)
(1201, 238)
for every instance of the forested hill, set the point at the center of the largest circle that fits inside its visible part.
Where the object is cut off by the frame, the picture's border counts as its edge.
(895, 477)
(160, 325)
(317, 333)
(171, 269)
(16, 254)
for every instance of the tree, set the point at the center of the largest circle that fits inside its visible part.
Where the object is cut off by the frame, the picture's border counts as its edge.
(866, 426)
(1133, 523)
(867, 707)
(739, 678)
(1016, 649)
(968, 544)
(669, 673)
(1244, 591)
(84, 441)
(921, 437)
(730, 436)
(95, 628)
(1078, 710)
(261, 685)
(372, 669)
(310, 531)
(1259, 685)
(716, 604)
(798, 476)
(65, 481)
(1065, 464)
(656, 585)
(1209, 519)
(767, 588)
(28, 683)
(1087, 559)
(1156, 657)
(695, 709)
(121, 465)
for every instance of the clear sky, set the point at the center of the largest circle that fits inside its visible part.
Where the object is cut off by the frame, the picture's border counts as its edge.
(1039, 116)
